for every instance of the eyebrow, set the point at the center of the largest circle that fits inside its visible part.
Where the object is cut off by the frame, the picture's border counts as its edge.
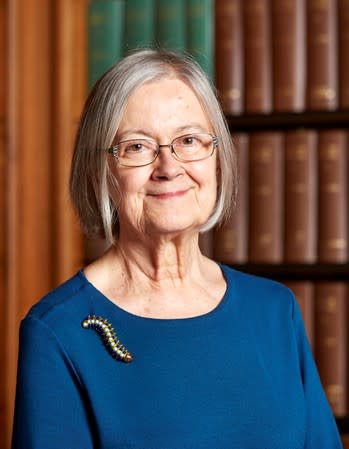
(141, 132)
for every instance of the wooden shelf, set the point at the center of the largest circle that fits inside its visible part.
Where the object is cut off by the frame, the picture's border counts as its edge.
(313, 272)
(289, 120)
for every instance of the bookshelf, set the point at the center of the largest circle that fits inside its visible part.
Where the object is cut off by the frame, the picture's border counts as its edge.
(289, 120)
(50, 240)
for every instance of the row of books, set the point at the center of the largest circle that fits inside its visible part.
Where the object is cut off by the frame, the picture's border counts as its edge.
(116, 27)
(326, 315)
(265, 55)
(281, 55)
(292, 204)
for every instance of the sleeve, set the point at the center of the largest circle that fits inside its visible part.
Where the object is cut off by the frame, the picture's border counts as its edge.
(321, 429)
(49, 407)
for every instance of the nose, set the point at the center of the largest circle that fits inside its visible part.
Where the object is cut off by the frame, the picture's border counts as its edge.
(166, 166)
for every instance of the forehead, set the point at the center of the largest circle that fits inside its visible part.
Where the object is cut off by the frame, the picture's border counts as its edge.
(167, 100)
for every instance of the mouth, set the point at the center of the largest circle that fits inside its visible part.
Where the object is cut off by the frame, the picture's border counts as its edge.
(169, 195)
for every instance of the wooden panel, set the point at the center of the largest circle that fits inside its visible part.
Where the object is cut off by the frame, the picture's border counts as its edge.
(28, 170)
(3, 59)
(69, 93)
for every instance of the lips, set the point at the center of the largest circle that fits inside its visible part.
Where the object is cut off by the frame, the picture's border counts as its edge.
(168, 195)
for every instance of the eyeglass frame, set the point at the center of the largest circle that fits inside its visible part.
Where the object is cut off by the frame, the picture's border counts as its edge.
(114, 149)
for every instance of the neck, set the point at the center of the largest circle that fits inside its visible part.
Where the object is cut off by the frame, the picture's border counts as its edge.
(161, 261)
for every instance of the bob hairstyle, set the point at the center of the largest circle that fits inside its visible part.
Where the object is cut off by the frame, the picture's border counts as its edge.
(94, 190)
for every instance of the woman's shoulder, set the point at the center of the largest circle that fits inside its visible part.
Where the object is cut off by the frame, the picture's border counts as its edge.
(258, 289)
(62, 300)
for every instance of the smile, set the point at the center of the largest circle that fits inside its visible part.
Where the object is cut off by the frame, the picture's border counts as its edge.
(169, 195)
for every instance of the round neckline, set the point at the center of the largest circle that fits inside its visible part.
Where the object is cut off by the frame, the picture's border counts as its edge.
(129, 315)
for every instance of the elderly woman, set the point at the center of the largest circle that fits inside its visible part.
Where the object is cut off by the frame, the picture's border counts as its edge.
(155, 346)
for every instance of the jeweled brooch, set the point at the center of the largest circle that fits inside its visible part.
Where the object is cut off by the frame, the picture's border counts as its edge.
(109, 337)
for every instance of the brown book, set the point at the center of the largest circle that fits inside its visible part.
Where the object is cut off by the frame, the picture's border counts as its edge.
(343, 60)
(331, 342)
(322, 69)
(288, 54)
(229, 55)
(333, 196)
(300, 196)
(257, 56)
(266, 166)
(230, 240)
(304, 294)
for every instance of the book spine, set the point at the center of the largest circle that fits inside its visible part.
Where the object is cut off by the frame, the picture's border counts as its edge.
(266, 180)
(229, 55)
(230, 240)
(343, 45)
(301, 196)
(304, 294)
(200, 33)
(333, 196)
(331, 342)
(171, 25)
(288, 55)
(322, 69)
(257, 56)
(139, 24)
(105, 36)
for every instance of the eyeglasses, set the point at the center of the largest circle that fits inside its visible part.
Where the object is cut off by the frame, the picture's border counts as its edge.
(187, 148)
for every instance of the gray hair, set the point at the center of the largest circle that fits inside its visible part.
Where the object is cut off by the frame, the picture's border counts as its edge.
(92, 185)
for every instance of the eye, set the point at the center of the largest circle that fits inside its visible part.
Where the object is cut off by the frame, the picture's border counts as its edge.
(135, 148)
(189, 140)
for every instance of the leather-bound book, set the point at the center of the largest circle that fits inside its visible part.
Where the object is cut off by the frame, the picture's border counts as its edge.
(266, 180)
(331, 342)
(171, 29)
(105, 30)
(343, 60)
(301, 196)
(231, 239)
(229, 63)
(288, 55)
(304, 294)
(139, 24)
(333, 196)
(200, 29)
(322, 69)
(257, 56)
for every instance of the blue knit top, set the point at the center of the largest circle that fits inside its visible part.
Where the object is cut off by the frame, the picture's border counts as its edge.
(239, 377)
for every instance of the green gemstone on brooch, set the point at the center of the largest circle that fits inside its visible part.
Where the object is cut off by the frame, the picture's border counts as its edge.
(109, 337)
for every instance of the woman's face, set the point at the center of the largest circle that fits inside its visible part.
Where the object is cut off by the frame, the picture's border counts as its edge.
(167, 196)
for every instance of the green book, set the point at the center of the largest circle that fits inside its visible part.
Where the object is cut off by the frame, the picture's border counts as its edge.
(200, 33)
(171, 25)
(139, 24)
(105, 36)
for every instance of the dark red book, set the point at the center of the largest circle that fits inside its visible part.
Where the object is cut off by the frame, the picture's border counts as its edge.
(266, 181)
(231, 239)
(343, 60)
(333, 196)
(301, 196)
(257, 56)
(331, 342)
(288, 55)
(229, 63)
(304, 294)
(322, 61)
